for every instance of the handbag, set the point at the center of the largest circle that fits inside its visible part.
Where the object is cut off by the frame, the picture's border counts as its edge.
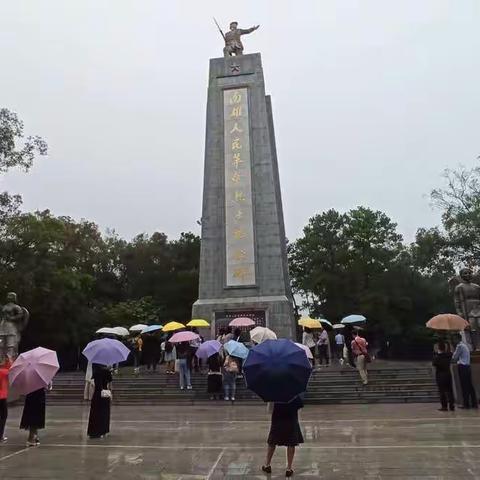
(105, 393)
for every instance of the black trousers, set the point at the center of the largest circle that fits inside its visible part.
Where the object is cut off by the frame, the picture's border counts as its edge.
(323, 354)
(468, 392)
(445, 389)
(3, 416)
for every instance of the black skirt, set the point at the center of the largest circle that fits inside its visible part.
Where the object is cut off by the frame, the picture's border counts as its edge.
(34, 410)
(214, 383)
(285, 429)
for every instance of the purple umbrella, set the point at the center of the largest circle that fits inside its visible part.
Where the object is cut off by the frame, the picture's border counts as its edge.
(33, 370)
(208, 348)
(106, 351)
(183, 337)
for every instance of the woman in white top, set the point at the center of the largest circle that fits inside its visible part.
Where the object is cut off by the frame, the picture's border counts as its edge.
(309, 341)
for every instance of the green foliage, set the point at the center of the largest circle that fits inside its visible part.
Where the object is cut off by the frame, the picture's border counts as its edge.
(356, 263)
(74, 280)
(11, 133)
(459, 200)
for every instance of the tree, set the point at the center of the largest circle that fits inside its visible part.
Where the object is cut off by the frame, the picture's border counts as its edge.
(14, 155)
(356, 263)
(11, 133)
(460, 201)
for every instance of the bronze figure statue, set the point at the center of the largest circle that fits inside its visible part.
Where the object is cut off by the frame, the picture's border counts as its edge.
(233, 43)
(467, 304)
(13, 322)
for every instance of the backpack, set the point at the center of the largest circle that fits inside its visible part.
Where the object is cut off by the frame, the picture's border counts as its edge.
(230, 365)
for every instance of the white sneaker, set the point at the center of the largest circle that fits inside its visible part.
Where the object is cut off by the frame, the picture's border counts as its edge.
(232, 399)
(181, 388)
(226, 399)
(3, 439)
(189, 387)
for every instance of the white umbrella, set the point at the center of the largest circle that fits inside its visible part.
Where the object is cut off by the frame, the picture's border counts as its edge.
(138, 328)
(260, 334)
(121, 331)
(106, 331)
(338, 326)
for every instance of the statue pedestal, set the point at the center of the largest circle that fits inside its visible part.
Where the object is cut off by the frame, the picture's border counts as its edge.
(457, 389)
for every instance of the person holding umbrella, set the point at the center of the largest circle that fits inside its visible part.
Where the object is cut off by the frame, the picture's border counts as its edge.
(278, 371)
(31, 374)
(102, 353)
(99, 418)
(284, 431)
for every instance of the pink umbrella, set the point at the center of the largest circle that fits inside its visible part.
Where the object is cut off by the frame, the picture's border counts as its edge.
(241, 322)
(307, 350)
(33, 370)
(183, 337)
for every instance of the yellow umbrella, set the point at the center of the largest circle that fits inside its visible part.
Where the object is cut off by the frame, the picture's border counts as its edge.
(172, 326)
(198, 322)
(310, 322)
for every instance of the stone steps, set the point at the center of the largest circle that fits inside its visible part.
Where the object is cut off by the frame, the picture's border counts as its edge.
(327, 386)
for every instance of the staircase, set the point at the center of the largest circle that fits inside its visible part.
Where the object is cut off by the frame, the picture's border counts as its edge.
(327, 386)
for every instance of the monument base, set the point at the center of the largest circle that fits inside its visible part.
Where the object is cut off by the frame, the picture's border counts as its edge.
(275, 312)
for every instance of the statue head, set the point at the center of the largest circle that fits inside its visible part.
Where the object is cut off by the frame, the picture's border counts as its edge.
(233, 25)
(466, 274)
(11, 297)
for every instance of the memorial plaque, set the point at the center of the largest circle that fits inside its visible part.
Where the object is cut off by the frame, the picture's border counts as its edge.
(240, 247)
(222, 319)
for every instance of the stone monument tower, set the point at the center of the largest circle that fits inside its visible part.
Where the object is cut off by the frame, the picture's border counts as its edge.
(243, 261)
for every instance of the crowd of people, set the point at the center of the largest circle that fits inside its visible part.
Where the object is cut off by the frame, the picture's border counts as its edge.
(455, 351)
(350, 348)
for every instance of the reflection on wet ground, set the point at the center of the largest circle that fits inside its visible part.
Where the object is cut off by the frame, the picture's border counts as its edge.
(220, 441)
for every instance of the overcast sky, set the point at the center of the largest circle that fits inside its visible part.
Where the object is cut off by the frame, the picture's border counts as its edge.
(372, 99)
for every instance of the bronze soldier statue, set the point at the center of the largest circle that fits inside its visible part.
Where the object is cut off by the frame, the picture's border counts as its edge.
(13, 322)
(233, 43)
(467, 304)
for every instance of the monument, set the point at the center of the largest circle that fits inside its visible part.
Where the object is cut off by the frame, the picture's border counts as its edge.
(14, 319)
(243, 260)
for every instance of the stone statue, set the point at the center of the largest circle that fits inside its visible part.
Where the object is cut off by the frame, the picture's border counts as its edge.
(233, 43)
(467, 304)
(13, 322)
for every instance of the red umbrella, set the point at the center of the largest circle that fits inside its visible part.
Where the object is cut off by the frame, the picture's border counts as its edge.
(447, 321)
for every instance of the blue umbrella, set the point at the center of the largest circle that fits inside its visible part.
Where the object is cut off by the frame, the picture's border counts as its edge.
(106, 351)
(353, 319)
(152, 328)
(277, 370)
(236, 349)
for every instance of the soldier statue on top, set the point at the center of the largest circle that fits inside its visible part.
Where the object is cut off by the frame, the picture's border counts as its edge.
(14, 319)
(233, 43)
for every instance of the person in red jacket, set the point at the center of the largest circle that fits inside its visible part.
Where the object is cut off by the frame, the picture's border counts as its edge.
(4, 368)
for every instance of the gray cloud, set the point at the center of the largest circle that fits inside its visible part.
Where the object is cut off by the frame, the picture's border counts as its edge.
(372, 100)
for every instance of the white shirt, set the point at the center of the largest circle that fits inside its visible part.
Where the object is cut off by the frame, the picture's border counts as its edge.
(339, 339)
(308, 340)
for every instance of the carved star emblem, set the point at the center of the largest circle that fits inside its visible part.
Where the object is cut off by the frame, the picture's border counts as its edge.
(234, 68)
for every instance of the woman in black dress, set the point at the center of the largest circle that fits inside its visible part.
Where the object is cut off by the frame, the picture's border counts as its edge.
(33, 417)
(214, 382)
(99, 419)
(284, 431)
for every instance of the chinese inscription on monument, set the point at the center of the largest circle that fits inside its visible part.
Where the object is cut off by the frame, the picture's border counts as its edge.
(240, 250)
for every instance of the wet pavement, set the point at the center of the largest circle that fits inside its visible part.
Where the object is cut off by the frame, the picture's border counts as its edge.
(220, 441)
